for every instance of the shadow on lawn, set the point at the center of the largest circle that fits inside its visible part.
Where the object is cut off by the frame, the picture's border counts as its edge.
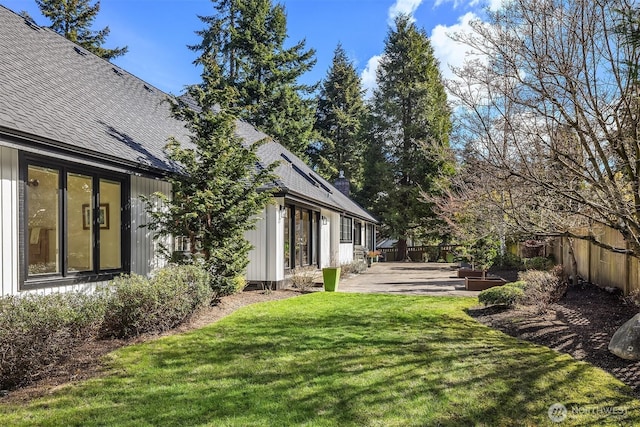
(345, 363)
(581, 325)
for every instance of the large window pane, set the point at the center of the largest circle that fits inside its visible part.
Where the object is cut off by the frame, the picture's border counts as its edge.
(43, 222)
(314, 238)
(302, 222)
(287, 238)
(298, 235)
(80, 222)
(357, 233)
(110, 225)
(306, 240)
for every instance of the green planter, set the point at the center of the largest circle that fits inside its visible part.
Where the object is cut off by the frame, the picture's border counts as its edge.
(331, 277)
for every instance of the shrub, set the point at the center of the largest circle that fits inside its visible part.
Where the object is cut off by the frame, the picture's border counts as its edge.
(303, 278)
(221, 284)
(137, 305)
(520, 284)
(538, 263)
(355, 267)
(508, 260)
(39, 330)
(542, 288)
(509, 294)
(239, 283)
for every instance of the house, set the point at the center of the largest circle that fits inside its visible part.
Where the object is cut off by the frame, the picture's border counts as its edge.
(82, 140)
(311, 223)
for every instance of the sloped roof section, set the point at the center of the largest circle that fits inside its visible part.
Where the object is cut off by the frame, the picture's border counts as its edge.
(54, 89)
(65, 97)
(300, 180)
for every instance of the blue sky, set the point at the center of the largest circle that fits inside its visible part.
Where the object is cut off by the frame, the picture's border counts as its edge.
(158, 31)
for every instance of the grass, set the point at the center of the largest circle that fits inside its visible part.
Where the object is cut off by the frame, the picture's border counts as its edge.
(331, 359)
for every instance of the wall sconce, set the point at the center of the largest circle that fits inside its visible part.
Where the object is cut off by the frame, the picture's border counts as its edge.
(283, 211)
(325, 221)
(33, 182)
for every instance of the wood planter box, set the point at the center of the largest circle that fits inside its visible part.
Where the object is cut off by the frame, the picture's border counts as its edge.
(467, 272)
(479, 284)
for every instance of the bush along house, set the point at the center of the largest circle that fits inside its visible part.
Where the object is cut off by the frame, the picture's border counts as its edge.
(82, 140)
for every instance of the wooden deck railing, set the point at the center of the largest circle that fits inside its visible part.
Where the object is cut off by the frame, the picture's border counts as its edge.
(417, 253)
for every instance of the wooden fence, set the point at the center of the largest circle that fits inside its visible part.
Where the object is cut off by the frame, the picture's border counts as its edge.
(598, 265)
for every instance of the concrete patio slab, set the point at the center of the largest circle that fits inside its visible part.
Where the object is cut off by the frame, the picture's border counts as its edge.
(407, 278)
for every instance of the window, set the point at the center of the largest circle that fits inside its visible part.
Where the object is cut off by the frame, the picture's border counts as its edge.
(301, 231)
(302, 227)
(73, 221)
(315, 242)
(287, 237)
(357, 233)
(346, 230)
(370, 236)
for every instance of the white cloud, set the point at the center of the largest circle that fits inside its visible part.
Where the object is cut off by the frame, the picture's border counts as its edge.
(406, 7)
(449, 52)
(493, 5)
(368, 75)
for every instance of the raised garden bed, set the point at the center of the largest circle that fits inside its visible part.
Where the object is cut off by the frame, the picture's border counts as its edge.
(467, 272)
(480, 284)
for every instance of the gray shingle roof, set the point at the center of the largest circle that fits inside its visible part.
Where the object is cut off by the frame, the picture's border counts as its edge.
(65, 96)
(54, 89)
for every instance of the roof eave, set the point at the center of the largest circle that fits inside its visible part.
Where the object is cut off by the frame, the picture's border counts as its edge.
(19, 137)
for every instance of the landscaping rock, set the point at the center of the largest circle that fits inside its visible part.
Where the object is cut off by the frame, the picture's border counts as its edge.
(625, 343)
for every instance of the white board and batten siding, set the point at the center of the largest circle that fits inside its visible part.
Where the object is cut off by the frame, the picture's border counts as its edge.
(266, 258)
(346, 253)
(9, 220)
(144, 249)
(340, 253)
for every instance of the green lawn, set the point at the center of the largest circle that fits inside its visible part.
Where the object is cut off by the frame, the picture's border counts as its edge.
(331, 359)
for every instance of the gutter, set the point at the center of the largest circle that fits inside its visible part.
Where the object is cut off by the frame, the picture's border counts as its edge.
(20, 140)
(288, 194)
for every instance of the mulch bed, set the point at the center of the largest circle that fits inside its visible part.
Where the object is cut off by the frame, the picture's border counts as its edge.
(580, 324)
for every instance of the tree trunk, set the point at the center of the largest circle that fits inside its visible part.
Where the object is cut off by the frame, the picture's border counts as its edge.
(402, 251)
(574, 262)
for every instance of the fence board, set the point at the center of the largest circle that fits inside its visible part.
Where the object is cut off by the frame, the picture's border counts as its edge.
(598, 265)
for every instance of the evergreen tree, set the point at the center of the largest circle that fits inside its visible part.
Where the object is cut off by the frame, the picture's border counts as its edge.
(216, 200)
(409, 135)
(339, 119)
(73, 20)
(246, 38)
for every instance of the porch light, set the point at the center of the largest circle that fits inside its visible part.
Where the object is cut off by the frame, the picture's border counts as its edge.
(283, 212)
(324, 220)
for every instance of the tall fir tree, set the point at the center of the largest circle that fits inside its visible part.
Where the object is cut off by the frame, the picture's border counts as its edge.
(408, 135)
(73, 19)
(339, 121)
(246, 38)
(222, 188)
